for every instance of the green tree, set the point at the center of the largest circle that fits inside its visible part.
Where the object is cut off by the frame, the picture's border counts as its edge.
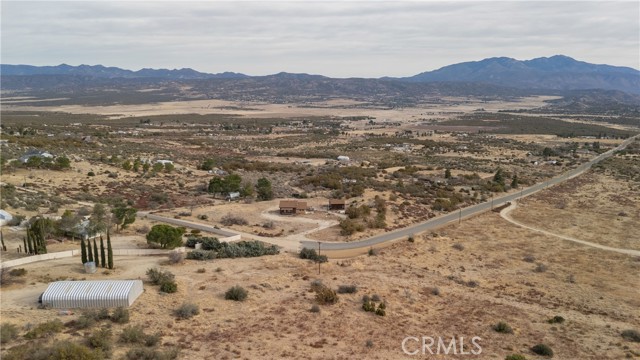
(514, 182)
(98, 219)
(95, 253)
(68, 223)
(168, 167)
(216, 185)
(145, 167)
(103, 257)
(546, 152)
(62, 162)
(83, 251)
(89, 251)
(109, 251)
(232, 183)
(247, 190)
(447, 174)
(33, 162)
(168, 237)
(136, 164)
(263, 189)
(498, 178)
(157, 167)
(126, 165)
(208, 164)
(124, 215)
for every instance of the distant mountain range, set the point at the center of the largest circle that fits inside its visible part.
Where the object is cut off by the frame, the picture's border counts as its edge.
(554, 73)
(583, 86)
(99, 71)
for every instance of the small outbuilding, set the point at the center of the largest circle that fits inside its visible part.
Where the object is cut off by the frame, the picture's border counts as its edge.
(92, 294)
(337, 204)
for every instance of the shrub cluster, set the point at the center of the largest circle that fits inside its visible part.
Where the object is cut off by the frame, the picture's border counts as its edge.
(324, 294)
(164, 278)
(502, 327)
(187, 311)
(311, 254)
(556, 320)
(369, 305)
(58, 350)
(45, 329)
(515, 357)
(135, 335)
(542, 349)
(631, 335)
(8, 332)
(141, 353)
(236, 293)
(347, 289)
(212, 248)
(229, 220)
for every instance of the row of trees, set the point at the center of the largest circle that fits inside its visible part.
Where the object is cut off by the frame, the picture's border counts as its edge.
(37, 233)
(138, 165)
(233, 183)
(89, 253)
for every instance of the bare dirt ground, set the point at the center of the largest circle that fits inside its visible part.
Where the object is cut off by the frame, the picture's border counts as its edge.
(593, 290)
(592, 207)
(265, 110)
(486, 270)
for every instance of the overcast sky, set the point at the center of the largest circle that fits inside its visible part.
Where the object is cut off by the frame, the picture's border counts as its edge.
(339, 39)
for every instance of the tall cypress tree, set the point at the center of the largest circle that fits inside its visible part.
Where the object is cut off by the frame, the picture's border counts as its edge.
(83, 251)
(4, 247)
(95, 253)
(109, 252)
(29, 242)
(103, 259)
(24, 240)
(89, 251)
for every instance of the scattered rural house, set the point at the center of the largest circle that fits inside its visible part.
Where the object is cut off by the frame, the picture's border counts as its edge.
(292, 207)
(91, 294)
(343, 158)
(5, 217)
(164, 162)
(337, 204)
(81, 231)
(233, 196)
(35, 153)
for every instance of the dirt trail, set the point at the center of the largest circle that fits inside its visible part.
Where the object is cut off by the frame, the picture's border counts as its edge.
(505, 214)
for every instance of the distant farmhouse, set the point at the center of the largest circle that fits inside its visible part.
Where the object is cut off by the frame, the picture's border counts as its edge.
(35, 153)
(292, 207)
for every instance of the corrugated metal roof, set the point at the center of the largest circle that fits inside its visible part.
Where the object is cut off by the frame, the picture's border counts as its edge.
(92, 294)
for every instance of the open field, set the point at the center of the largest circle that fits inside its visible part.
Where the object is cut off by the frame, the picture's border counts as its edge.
(394, 166)
(484, 282)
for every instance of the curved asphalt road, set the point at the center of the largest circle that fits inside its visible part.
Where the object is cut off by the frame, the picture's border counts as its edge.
(465, 212)
(187, 224)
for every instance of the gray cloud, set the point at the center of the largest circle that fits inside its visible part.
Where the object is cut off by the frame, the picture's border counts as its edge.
(343, 39)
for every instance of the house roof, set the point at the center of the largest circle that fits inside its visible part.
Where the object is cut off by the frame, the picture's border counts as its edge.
(293, 204)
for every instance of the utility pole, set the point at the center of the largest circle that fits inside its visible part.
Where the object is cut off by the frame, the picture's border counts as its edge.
(460, 216)
(319, 262)
(491, 201)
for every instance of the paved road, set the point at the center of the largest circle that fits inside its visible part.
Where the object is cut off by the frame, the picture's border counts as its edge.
(187, 224)
(465, 212)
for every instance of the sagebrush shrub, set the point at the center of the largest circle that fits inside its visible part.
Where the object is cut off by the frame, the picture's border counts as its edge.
(236, 293)
(187, 311)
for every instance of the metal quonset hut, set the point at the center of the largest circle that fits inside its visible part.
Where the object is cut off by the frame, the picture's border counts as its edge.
(92, 294)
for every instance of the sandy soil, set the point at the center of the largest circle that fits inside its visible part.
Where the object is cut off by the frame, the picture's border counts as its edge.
(275, 321)
(263, 110)
(592, 207)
